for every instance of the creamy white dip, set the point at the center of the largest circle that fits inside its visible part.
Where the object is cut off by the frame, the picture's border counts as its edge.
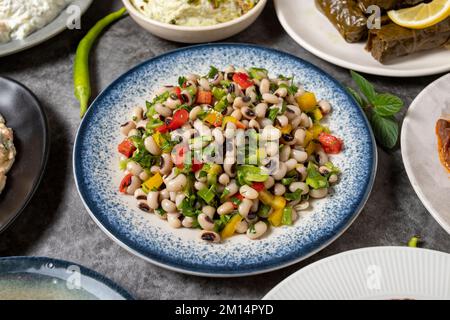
(194, 12)
(20, 18)
(7, 151)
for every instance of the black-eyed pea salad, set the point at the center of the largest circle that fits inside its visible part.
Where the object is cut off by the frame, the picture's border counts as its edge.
(230, 152)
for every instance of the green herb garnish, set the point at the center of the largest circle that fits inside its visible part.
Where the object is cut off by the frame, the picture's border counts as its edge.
(380, 108)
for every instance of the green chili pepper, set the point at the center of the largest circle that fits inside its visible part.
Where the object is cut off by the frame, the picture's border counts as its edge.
(414, 241)
(81, 77)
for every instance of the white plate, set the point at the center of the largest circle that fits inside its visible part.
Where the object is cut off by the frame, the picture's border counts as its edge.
(312, 30)
(379, 273)
(52, 29)
(429, 178)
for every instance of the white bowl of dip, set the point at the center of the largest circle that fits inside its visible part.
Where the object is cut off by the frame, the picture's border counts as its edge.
(195, 34)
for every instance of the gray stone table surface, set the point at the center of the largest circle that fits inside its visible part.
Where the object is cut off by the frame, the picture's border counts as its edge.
(56, 224)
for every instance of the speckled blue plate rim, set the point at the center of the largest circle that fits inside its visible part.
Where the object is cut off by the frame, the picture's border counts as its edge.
(180, 266)
(86, 272)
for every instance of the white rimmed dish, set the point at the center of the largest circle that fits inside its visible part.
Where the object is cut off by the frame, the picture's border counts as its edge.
(312, 30)
(429, 178)
(49, 31)
(200, 34)
(98, 177)
(378, 273)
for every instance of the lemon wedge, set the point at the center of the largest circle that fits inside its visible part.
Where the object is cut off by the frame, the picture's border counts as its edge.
(421, 16)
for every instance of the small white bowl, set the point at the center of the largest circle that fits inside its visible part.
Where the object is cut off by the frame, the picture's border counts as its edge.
(195, 34)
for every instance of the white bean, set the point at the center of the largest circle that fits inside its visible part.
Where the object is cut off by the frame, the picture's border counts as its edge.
(164, 111)
(225, 208)
(285, 152)
(280, 172)
(270, 98)
(244, 207)
(174, 220)
(264, 86)
(270, 133)
(318, 193)
(242, 227)
(257, 231)
(177, 184)
(198, 185)
(299, 155)
(279, 189)
(248, 192)
(333, 178)
(137, 114)
(179, 199)
(134, 185)
(209, 211)
(205, 222)
(224, 179)
(324, 106)
(269, 183)
(294, 186)
(188, 222)
(210, 236)
(127, 127)
(272, 148)
(151, 146)
(194, 113)
(290, 164)
(299, 136)
(168, 206)
(260, 110)
(134, 168)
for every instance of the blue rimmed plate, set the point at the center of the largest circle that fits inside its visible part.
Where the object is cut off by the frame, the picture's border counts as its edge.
(97, 174)
(39, 278)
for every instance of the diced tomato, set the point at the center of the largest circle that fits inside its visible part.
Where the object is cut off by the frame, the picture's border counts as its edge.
(330, 143)
(126, 181)
(240, 125)
(243, 80)
(127, 148)
(178, 93)
(180, 154)
(179, 119)
(163, 129)
(197, 165)
(237, 198)
(258, 186)
(204, 97)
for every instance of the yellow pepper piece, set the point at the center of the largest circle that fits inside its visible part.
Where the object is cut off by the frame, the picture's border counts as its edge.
(158, 138)
(286, 129)
(317, 129)
(311, 148)
(228, 119)
(230, 228)
(153, 183)
(307, 101)
(278, 202)
(266, 197)
(275, 217)
(308, 137)
(317, 114)
(214, 118)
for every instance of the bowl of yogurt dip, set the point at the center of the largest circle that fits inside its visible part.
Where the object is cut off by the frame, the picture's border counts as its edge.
(194, 21)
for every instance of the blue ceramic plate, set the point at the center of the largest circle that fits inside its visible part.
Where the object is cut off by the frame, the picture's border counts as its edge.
(33, 278)
(97, 175)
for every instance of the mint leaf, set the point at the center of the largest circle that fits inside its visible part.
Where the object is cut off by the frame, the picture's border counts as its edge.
(356, 96)
(365, 86)
(385, 130)
(386, 104)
